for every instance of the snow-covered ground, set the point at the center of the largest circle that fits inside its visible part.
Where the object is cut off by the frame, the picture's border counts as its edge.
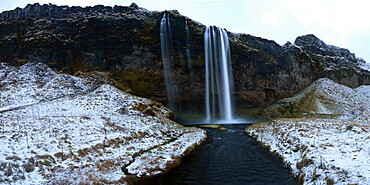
(319, 151)
(323, 151)
(58, 129)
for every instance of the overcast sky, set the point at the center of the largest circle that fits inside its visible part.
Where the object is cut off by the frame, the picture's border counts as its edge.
(342, 23)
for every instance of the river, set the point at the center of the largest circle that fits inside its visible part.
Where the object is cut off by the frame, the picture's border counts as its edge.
(228, 157)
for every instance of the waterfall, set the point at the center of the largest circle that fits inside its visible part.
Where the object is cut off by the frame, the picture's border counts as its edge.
(190, 65)
(165, 34)
(219, 78)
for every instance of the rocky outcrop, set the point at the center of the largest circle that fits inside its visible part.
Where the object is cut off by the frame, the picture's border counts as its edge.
(125, 43)
(266, 71)
(335, 63)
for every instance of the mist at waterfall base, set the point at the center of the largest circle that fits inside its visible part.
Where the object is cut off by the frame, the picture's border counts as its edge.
(192, 113)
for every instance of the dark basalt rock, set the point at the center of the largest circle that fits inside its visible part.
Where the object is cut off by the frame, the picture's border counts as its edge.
(29, 167)
(335, 63)
(134, 5)
(125, 41)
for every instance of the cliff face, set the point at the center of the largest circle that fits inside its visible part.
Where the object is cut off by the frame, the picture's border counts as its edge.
(125, 41)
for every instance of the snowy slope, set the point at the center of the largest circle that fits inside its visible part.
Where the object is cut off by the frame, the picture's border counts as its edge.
(365, 66)
(32, 83)
(324, 97)
(57, 129)
(322, 151)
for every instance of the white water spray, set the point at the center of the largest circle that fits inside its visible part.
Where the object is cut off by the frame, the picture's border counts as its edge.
(165, 30)
(188, 56)
(219, 78)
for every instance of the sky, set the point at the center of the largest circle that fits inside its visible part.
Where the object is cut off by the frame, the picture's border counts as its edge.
(342, 23)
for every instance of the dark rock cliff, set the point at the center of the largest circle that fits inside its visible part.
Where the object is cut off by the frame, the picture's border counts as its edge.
(125, 41)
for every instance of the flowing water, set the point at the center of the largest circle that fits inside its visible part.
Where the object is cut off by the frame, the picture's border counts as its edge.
(228, 157)
(219, 78)
(165, 34)
(188, 56)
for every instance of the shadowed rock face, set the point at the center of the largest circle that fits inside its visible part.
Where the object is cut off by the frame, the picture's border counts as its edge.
(124, 41)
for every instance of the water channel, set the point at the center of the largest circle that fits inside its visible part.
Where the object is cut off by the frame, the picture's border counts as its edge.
(228, 157)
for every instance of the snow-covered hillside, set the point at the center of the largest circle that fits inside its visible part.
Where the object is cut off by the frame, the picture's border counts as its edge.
(322, 151)
(60, 129)
(324, 97)
(34, 82)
